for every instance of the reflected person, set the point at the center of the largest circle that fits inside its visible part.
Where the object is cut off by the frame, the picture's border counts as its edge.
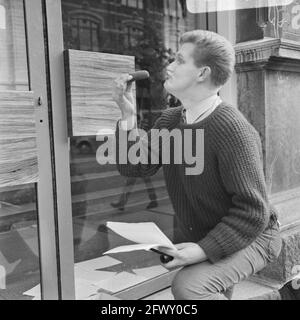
(143, 123)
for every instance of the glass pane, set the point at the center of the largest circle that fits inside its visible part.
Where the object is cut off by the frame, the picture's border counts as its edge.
(99, 193)
(19, 254)
(13, 59)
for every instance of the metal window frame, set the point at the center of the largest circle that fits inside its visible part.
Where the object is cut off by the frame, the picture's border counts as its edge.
(61, 143)
(46, 74)
(45, 192)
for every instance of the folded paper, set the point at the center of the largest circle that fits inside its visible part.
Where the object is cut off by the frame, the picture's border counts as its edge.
(147, 235)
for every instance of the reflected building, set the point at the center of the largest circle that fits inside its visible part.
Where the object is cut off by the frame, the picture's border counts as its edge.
(13, 63)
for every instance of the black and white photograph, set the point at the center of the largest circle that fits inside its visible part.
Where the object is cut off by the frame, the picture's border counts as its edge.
(149, 152)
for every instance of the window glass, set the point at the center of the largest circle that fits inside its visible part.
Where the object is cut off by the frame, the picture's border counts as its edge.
(19, 254)
(13, 59)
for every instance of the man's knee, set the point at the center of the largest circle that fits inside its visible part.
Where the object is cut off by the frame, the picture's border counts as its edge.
(186, 287)
(180, 287)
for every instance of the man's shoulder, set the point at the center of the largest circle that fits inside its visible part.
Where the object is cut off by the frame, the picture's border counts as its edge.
(230, 130)
(231, 120)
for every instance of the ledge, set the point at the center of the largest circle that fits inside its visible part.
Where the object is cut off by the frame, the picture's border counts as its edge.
(257, 51)
(287, 204)
(245, 290)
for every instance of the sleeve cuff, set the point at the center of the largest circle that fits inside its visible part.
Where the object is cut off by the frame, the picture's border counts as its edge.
(127, 125)
(212, 249)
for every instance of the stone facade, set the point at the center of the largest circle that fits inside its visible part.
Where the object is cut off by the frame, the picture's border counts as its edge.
(268, 73)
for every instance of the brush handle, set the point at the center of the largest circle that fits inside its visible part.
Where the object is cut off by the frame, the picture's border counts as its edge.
(164, 258)
(139, 75)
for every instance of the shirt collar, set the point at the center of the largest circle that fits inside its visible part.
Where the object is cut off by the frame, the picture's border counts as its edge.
(203, 106)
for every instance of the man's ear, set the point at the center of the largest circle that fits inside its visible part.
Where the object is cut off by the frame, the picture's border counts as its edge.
(204, 74)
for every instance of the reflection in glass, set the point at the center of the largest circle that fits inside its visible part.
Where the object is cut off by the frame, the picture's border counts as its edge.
(19, 254)
(13, 60)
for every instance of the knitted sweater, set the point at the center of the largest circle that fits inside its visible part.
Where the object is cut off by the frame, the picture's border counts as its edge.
(225, 208)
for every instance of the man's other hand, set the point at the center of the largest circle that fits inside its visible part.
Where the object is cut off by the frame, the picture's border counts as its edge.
(186, 254)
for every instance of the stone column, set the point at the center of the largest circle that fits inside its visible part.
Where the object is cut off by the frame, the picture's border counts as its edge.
(268, 85)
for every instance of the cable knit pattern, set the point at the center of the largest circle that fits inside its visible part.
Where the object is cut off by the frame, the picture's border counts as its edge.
(226, 207)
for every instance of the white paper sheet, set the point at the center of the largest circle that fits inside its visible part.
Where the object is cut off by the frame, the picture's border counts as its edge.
(120, 282)
(98, 263)
(132, 247)
(92, 276)
(150, 272)
(146, 234)
(84, 289)
(34, 292)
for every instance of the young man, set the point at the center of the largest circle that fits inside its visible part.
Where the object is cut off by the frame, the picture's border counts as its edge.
(231, 230)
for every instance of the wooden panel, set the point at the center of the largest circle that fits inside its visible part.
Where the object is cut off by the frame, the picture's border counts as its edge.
(89, 77)
(18, 151)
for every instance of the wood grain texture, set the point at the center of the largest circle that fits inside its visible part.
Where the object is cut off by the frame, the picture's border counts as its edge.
(18, 150)
(89, 81)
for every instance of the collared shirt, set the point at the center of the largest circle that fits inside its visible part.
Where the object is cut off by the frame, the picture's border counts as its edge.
(202, 110)
(196, 114)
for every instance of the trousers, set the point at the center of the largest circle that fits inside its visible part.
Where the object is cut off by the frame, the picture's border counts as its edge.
(209, 281)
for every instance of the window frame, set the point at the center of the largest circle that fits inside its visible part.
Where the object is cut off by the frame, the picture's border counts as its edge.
(36, 59)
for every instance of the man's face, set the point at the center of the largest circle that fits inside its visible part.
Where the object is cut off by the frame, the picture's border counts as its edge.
(182, 74)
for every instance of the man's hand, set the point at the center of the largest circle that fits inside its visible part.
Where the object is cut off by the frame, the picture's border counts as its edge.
(122, 95)
(188, 253)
